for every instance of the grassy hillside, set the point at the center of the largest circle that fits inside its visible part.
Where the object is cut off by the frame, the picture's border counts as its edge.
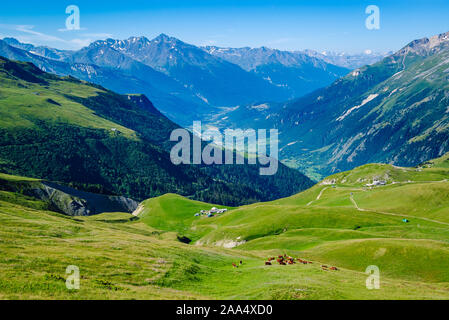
(172, 212)
(122, 257)
(402, 227)
(73, 132)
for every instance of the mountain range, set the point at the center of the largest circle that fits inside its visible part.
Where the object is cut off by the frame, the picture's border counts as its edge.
(215, 81)
(295, 72)
(393, 111)
(185, 82)
(346, 60)
(114, 71)
(368, 115)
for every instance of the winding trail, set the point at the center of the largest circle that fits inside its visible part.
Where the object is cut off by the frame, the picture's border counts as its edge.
(318, 197)
(394, 214)
(139, 210)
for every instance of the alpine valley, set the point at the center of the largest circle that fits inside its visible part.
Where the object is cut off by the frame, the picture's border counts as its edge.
(394, 111)
(86, 176)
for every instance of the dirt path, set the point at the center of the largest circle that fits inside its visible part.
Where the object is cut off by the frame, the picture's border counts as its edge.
(318, 197)
(138, 210)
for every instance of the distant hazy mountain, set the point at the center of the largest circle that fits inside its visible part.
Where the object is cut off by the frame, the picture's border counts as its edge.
(296, 72)
(185, 82)
(350, 61)
(84, 71)
(43, 51)
(395, 111)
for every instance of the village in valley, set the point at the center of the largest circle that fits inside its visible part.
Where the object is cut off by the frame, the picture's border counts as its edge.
(210, 213)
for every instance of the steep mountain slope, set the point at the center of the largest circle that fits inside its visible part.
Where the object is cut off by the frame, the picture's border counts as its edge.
(64, 199)
(216, 81)
(394, 111)
(105, 55)
(66, 130)
(296, 72)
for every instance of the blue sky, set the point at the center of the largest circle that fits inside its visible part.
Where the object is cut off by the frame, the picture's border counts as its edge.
(337, 25)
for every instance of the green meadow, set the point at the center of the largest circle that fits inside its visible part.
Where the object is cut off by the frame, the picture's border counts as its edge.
(401, 227)
(31, 102)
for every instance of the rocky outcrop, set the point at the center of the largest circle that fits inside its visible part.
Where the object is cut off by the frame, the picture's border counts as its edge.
(70, 201)
(79, 203)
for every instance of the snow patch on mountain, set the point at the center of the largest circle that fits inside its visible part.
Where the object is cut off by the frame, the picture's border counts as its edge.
(348, 112)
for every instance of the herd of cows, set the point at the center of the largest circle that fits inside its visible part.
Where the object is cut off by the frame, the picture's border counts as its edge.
(284, 260)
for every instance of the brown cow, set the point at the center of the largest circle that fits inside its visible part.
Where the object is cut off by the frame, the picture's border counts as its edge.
(234, 265)
(267, 263)
(334, 268)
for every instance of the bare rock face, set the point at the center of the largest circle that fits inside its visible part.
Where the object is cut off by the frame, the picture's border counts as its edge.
(70, 201)
(78, 203)
(427, 46)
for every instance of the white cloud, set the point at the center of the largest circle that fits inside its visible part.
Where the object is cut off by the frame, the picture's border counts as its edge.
(28, 34)
(39, 35)
(65, 29)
